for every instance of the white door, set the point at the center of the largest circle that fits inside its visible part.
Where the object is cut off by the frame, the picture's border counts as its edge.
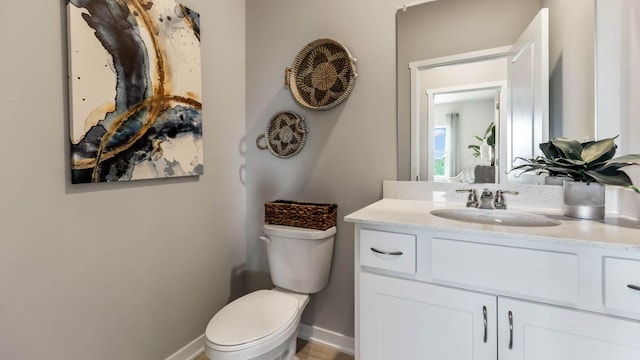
(528, 78)
(543, 332)
(407, 320)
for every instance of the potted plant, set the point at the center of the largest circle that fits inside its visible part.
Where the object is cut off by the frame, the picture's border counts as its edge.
(589, 165)
(485, 171)
(488, 139)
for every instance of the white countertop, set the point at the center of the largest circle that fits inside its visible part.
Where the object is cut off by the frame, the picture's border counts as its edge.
(615, 232)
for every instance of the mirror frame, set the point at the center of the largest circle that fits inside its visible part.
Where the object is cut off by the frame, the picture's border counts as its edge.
(586, 97)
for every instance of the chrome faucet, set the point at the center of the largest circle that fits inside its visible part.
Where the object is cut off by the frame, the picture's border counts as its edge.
(486, 199)
(498, 201)
(472, 200)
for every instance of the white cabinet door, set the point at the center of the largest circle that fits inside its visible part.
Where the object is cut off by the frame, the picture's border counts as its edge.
(543, 332)
(403, 319)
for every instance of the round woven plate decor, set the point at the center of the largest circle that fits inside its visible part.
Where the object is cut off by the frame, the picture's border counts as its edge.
(322, 74)
(285, 135)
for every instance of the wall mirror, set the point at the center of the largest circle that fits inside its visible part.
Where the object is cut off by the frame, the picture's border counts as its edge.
(466, 107)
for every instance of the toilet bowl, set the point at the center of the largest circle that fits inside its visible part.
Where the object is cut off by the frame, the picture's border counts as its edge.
(263, 325)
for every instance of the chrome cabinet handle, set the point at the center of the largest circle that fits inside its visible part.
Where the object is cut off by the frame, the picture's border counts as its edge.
(510, 330)
(484, 318)
(634, 287)
(392, 253)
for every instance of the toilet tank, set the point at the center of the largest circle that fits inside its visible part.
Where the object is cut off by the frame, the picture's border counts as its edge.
(299, 258)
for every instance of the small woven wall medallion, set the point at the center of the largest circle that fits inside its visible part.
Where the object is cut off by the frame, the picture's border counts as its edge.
(285, 135)
(322, 75)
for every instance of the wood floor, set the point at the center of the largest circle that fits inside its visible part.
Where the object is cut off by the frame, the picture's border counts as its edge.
(312, 351)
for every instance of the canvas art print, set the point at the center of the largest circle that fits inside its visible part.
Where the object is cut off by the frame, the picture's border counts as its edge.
(135, 89)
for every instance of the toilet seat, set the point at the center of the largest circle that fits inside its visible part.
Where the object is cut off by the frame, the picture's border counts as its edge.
(254, 323)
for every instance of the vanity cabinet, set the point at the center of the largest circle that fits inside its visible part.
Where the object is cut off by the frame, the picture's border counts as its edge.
(427, 294)
(402, 319)
(544, 332)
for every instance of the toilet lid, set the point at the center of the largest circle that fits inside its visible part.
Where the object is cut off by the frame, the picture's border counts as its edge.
(252, 317)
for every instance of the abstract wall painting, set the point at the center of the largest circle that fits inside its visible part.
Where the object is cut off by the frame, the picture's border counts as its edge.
(135, 90)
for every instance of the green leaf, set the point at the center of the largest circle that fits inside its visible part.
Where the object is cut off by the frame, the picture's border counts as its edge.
(604, 158)
(595, 150)
(568, 162)
(569, 148)
(618, 178)
(549, 150)
(631, 159)
(491, 140)
(526, 162)
(609, 169)
(529, 167)
(490, 128)
(564, 171)
(476, 150)
(490, 134)
(538, 171)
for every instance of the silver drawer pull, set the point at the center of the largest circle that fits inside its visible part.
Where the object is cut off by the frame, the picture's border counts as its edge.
(393, 253)
(510, 330)
(634, 287)
(484, 319)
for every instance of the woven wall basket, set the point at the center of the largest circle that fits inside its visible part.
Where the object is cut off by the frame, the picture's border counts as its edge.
(301, 214)
(285, 135)
(322, 75)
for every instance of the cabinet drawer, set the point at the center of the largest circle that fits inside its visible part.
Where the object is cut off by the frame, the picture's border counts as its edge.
(618, 275)
(388, 250)
(537, 274)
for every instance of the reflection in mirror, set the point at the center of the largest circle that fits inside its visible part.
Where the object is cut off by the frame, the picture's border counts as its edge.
(480, 80)
(448, 28)
(524, 67)
(464, 124)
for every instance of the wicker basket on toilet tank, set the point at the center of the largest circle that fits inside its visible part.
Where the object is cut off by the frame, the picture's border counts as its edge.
(309, 215)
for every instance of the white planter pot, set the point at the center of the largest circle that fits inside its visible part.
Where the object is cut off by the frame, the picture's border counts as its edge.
(584, 200)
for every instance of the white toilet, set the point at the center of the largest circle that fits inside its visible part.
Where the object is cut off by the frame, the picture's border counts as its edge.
(263, 325)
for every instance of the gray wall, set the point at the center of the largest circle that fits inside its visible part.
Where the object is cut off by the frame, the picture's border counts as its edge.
(571, 68)
(112, 271)
(451, 27)
(350, 149)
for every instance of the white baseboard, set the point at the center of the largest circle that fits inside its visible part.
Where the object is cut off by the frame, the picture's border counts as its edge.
(341, 342)
(190, 351)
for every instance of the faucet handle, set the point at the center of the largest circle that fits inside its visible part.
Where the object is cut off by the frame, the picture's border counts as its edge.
(498, 201)
(466, 190)
(472, 200)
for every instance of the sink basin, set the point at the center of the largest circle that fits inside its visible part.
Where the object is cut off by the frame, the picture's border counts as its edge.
(496, 217)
